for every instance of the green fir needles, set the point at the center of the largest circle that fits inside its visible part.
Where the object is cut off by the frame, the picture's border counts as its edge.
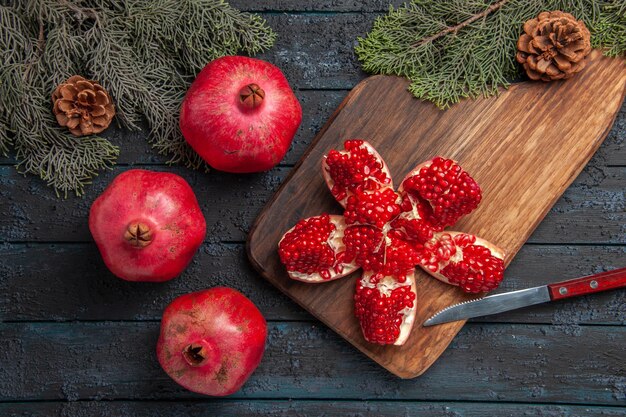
(455, 49)
(144, 52)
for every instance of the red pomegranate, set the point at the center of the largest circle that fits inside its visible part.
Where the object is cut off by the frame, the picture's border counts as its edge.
(240, 115)
(147, 225)
(211, 341)
(388, 233)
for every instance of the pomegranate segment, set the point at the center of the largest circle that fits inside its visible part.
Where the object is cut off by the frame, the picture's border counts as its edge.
(313, 250)
(465, 260)
(357, 168)
(441, 192)
(385, 307)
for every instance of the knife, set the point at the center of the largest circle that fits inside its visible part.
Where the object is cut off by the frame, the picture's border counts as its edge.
(517, 299)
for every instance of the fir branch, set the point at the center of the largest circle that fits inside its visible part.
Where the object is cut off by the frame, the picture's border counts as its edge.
(466, 48)
(609, 31)
(63, 161)
(456, 28)
(145, 53)
(14, 47)
(5, 139)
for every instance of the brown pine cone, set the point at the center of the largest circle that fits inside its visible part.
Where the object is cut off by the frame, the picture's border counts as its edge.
(553, 46)
(83, 106)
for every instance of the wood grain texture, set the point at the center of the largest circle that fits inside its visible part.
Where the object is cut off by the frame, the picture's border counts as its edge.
(317, 106)
(290, 408)
(317, 5)
(62, 278)
(523, 147)
(592, 209)
(486, 362)
(319, 65)
(589, 284)
(67, 282)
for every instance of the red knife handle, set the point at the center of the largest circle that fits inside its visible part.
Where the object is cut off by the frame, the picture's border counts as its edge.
(588, 285)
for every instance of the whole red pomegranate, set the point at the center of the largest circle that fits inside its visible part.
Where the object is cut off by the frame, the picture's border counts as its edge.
(147, 225)
(240, 114)
(211, 341)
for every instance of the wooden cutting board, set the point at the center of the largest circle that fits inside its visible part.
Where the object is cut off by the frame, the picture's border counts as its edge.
(524, 147)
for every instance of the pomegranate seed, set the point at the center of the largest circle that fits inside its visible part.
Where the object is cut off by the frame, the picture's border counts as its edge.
(478, 271)
(367, 246)
(376, 208)
(414, 229)
(462, 261)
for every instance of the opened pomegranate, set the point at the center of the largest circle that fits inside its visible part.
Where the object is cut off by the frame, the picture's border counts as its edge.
(147, 225)
(388, 233)
(240, 114)
(211, 341)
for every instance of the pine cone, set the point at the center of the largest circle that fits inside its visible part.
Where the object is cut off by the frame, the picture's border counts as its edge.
(83, 106)
(553, 46)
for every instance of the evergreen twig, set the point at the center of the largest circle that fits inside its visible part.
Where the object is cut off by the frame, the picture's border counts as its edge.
(144, 52)
(456, 28)
(457, 49)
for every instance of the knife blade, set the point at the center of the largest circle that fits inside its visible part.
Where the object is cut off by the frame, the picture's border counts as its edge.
(507, 301)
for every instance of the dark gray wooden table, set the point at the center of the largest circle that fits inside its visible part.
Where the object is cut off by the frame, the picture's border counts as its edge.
(75, 341)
